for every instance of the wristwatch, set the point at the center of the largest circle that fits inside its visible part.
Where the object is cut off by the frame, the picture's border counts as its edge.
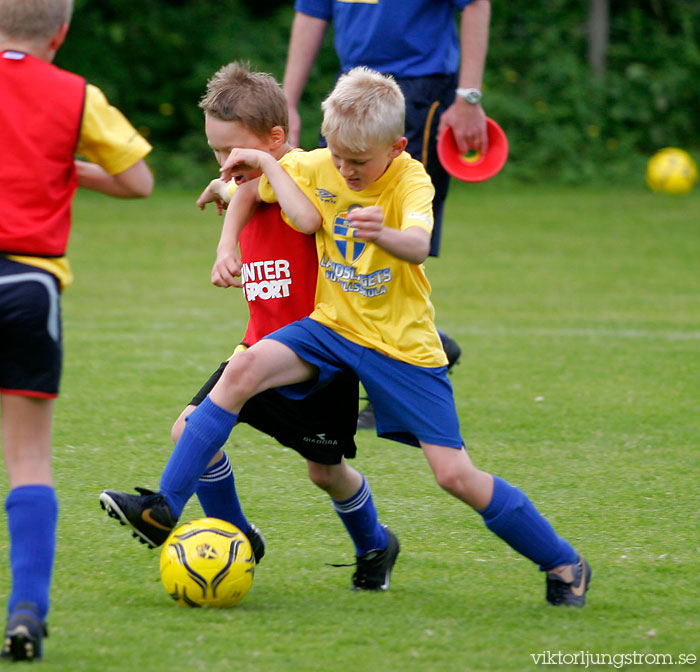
(472, 96)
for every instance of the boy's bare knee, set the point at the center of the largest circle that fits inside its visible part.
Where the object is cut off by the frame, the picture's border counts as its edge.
(450, 466)
(451, 481)
(340, 481)
(465, 482)
(240, 376)
(322, 476)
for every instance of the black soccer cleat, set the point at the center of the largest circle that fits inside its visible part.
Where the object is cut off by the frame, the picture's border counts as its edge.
(257, 543)
(24, 633)
(147, 513)
(568, 584)
(374, 568)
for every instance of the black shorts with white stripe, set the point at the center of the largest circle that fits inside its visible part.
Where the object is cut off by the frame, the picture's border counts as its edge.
(31, 351)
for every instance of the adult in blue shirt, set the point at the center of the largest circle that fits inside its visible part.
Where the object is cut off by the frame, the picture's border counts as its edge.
(439, 71)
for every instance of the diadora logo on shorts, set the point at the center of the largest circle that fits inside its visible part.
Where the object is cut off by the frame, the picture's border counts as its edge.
(325, 196)
(321, 440)
(269, 279)
(343, 234)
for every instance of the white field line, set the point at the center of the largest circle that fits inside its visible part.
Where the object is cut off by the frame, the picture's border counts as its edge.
(579, 332)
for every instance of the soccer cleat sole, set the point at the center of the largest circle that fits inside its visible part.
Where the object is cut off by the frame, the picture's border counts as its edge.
(113, 511)
(20, 645)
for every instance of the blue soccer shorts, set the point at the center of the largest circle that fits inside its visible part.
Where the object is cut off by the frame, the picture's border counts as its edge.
(31, 352)
(411, 403)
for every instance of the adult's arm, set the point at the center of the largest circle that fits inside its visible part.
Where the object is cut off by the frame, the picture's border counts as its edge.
(468, 121)
(304, 44)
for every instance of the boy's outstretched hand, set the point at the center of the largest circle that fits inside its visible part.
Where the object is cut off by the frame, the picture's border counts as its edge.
(215, 192)
(227, 269)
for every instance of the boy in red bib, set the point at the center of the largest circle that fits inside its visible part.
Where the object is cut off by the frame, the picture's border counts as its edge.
(47, 116)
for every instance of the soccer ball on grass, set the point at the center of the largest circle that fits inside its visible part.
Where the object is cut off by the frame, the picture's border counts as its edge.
(671, 170)
(207, 563)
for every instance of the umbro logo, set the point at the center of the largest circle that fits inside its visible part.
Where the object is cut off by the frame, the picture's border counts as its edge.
(325, 196)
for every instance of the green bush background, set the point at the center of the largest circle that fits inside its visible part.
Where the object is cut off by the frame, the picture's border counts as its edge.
(152, 59)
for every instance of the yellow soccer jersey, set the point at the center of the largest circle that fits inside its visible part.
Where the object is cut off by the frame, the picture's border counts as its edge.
(365, 294)
(108, 139)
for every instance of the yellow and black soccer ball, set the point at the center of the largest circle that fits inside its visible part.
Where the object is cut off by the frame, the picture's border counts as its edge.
(207, 563)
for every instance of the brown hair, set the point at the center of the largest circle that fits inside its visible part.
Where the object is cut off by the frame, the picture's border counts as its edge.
(254, 99)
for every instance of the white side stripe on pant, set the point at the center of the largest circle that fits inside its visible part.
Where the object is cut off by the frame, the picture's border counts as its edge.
(52, 326)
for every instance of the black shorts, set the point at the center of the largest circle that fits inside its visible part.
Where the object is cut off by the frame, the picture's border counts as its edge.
(320, 427)
(31, 352)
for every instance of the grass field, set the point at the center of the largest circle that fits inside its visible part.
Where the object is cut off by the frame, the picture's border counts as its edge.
(578, 312)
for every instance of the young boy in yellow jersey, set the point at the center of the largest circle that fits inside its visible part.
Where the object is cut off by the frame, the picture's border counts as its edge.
(248, 109)
(373, 316)
(47, 115)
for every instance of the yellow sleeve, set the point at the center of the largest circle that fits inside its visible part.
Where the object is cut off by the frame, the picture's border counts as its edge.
(230, 189)
(417, 202)
(265, 190)
(106, 136)
(417, 214)
(292, 162)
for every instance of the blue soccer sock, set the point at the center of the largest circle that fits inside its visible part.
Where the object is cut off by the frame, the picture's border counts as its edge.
(206, 430)
(514, 518)
(32, 514)
(216, 490)
(360, 519)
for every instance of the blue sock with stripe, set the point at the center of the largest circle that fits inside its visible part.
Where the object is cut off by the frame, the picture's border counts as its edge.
(361, 521)
(207, 428)
(216, 490)
(32, 514)
(514, 518)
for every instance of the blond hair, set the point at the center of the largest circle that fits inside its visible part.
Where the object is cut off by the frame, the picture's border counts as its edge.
(365, 109)
(33, 20)
(254, 99)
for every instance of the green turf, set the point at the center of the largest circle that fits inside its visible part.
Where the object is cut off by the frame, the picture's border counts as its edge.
(578, 312)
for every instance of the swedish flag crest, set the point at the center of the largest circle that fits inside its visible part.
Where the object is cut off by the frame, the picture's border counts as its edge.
(343, 234)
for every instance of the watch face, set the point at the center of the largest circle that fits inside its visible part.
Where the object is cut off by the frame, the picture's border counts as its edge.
(473, 97)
